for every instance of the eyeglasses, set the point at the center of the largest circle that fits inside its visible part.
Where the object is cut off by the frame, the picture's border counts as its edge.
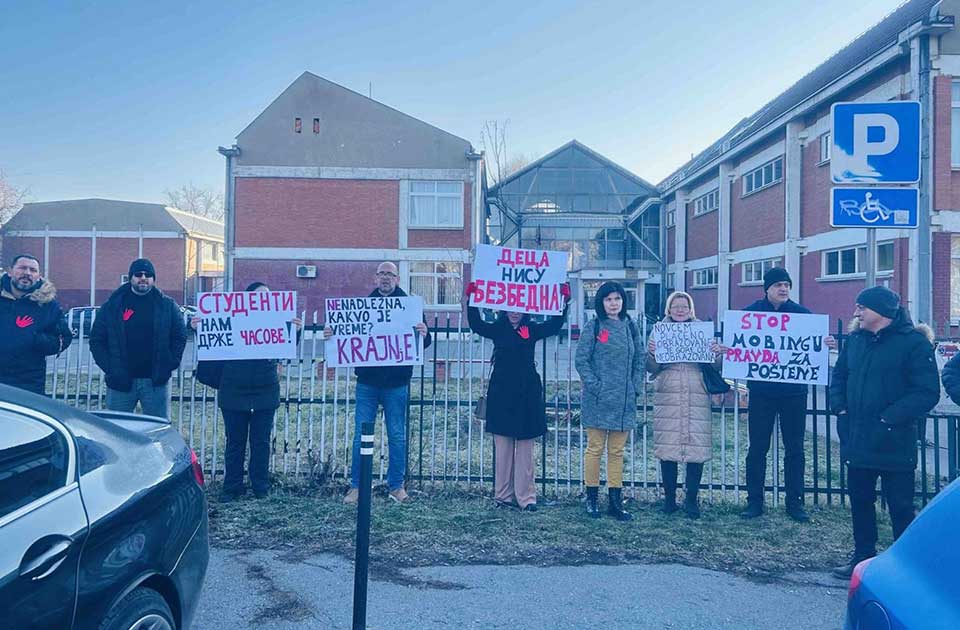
(142, 274)
(386, 274)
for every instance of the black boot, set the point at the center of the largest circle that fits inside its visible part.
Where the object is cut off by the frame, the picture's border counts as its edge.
(593, 502)
(845, 571)
(691, 505)
(669, 500)
(754, 509)
(615, 505)
(668, 471)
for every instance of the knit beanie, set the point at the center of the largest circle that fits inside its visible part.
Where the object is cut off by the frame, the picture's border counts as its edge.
(880, 300)
(141, 264)
(775, 275)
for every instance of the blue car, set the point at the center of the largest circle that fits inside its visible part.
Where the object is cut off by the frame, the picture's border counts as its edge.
(916, 582)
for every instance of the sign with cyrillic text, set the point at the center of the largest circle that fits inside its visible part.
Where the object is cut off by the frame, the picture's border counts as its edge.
(246, 325)
(374, 331)
(683, 342)
(777, 347)
(519, 280)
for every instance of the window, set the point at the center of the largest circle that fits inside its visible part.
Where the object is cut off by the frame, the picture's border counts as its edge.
(316, 125)
(124, 278)
(439, 283)
(705, 277)
(753, 271)
(850, 261)
(763, 176)
(671, 281)
(706, 203)
(671, 218)
(955, 124)
(436, 204)
(297, 125)
(34, 458)
(955, 277)
(825, 144)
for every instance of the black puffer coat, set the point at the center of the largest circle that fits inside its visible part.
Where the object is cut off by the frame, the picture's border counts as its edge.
(108, 340)
(882, 385)
(515, 394)
(951, 378)
(31, 327)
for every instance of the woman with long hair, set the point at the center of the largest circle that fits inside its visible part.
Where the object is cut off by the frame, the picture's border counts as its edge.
(608, 360)
(682, 414)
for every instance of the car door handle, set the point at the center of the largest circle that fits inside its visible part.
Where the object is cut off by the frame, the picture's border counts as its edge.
(47, 562)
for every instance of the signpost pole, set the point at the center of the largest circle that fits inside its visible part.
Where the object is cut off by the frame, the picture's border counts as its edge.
(870, 259)
(361, 562)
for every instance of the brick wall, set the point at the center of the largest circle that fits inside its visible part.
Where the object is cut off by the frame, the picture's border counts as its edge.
(701, 233)
(941, 278)
(281, 212)
(756, 219)
(814, 192)
(704, 300)
(946, 182)
(671, 244)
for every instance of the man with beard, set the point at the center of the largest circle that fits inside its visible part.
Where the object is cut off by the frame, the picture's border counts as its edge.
(31, 324)
(138, 340)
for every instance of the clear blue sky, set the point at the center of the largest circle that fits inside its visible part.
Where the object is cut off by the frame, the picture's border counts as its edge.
(125, 99)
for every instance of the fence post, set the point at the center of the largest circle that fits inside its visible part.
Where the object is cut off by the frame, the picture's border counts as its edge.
(361, 562)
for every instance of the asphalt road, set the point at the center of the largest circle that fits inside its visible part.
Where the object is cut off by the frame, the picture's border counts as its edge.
(270, 590)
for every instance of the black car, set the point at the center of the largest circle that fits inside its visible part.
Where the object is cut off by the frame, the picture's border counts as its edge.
(103, 519)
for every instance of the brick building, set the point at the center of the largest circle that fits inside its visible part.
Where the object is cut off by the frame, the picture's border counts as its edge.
(759, 196)
(326, 183)
(85, 246)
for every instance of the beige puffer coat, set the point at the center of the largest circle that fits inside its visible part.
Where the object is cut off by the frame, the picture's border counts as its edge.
(681, 412)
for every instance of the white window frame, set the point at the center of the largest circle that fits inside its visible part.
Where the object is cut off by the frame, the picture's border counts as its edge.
(954, 130)
(458, 225)
(671, 218)
(858, 261)
(671, 281)
(826, 144)
(436, 276)
(706, 203)
(755, 180)
(752, 265)
(702, 279)
(954, 259)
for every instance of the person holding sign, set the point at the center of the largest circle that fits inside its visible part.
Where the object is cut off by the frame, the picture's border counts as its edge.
(608, 360)
(248, 397)
(682, 413)
(389, 387)
(137, 340)
(768, 400)
(515, 413)
(884, 382)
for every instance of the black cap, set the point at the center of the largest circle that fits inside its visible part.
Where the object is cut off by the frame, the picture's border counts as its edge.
(775, 275)
(141, 264)
(880, 300)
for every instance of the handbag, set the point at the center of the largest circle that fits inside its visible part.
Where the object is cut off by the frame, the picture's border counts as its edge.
(209, 373)
(713, 382)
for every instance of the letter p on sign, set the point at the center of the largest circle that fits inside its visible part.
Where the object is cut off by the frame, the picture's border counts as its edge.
(875, 143)
(862, 142)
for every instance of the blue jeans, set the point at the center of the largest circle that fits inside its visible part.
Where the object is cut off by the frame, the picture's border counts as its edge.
(394, 401)
(154, 400)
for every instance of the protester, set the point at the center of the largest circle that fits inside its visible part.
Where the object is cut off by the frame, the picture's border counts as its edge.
(884, 382)
(609, 361)
(137, 340)
(32, 325)
(951, 378)
(769, 400)
(515, 413)
(682, 414)
(388, 387)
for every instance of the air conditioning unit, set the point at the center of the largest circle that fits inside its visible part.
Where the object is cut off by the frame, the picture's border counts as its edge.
(306, 271)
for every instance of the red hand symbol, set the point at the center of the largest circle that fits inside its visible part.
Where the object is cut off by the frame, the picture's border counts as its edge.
(524, 332)
(127, 314)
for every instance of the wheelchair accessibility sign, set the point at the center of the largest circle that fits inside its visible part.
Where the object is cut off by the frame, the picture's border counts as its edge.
(874, 207)
(875, 143)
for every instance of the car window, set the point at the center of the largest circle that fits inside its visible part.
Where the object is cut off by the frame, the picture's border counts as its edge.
(34, 459)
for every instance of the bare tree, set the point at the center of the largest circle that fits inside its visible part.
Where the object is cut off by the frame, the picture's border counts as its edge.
(195, 200)
(11, 198)
(500, 164)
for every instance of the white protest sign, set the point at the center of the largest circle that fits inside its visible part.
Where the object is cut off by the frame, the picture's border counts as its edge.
(679, 342)
(374, 331)
(519, 280)
(246, 325)
(778, 347)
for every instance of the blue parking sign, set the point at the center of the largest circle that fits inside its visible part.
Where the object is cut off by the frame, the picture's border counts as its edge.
(876, 207)
(875, 143)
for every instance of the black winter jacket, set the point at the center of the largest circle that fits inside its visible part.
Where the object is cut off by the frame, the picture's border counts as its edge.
(108, 342)
(389, 377)
(882, 385)
(768, 389)
(951, 378)
(249, 384)
(31, 327)
(515, 393)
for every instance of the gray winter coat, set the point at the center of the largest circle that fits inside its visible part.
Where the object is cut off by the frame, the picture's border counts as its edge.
(611, 369)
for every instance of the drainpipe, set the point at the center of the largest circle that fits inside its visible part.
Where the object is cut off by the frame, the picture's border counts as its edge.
(229, 219)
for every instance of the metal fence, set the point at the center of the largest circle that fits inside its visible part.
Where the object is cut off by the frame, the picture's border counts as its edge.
(446, 443)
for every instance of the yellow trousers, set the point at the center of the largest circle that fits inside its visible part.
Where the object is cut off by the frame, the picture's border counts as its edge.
(614, 442)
